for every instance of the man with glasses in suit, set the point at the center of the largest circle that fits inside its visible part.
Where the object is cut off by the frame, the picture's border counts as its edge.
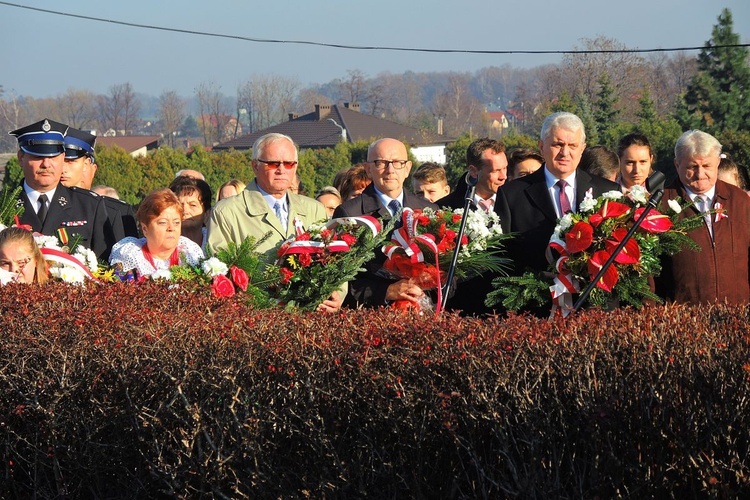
(388, 166)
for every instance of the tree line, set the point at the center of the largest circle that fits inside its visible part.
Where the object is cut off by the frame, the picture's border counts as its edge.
(614, 93)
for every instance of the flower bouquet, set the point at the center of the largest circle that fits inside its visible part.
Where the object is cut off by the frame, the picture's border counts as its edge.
(582, 243)
(422, 248)
(235, 269)
(318, 261)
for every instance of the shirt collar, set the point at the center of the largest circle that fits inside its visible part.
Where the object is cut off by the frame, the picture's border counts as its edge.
(33, 195)
(552, 180)
(272, 201)
(385, 199)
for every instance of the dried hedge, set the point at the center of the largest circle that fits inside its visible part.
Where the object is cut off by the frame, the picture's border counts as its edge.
(124, 391)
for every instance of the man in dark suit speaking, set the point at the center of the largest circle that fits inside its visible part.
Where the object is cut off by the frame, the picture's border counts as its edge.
(530, 206)
(388, 166)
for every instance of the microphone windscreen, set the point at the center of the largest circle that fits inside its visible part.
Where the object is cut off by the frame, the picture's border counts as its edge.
(655, 182)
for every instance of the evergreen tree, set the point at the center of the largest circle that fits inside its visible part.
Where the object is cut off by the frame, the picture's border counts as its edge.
(606, 113)
(585, 112)
(718, 96)
(647, 111)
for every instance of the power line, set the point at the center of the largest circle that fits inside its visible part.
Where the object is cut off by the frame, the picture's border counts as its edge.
(368, 47)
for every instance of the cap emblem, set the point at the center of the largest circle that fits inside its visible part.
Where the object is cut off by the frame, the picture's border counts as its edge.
(46, 126)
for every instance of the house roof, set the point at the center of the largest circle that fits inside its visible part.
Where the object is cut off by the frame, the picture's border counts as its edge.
(130, 143)
(316, 130)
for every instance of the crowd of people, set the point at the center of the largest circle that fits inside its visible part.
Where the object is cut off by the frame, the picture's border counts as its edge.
(530, 189)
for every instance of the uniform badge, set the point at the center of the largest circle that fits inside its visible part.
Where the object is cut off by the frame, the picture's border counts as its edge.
(74, 223)
(62, 201)
(46, 126)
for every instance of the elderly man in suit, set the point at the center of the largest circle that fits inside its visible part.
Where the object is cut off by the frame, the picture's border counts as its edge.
(51, 208)
(388, 166)
(267, 205)
(719, 271)
(530, 206)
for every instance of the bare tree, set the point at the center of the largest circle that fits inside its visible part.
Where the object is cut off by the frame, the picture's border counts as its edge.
(213, 120)
(267, 99)
(77, 108)
(119, 109)
(171, 114)
(461, 111)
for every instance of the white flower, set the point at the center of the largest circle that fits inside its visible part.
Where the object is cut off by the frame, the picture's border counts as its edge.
(675, 206)
(161, 274)
(638, 194)
(214, 267)
(587, 205)
(43, 241)
(68, 274)
(566, 221)
(612, 195)
(87, 258)
(2, 226)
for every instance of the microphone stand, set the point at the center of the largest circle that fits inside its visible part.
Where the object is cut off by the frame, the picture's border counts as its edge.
(471, 183)
(653, 201)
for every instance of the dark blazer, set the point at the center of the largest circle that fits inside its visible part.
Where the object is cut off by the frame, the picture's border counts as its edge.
(525, 209)
(720, 270)
(79, 213)
(456, 198)
(120, 214)
(368, 288)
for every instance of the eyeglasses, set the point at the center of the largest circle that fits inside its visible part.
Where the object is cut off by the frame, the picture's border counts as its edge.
(274, 164)
(20, 264)
(383, 164)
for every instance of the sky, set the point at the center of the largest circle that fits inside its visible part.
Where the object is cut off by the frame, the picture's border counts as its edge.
(46, 54)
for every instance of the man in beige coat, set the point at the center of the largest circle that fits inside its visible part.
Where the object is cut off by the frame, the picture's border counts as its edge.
(267, 205)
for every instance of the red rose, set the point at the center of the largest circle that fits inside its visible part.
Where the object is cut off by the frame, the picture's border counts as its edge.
(222, 286)
(239, 276)
(456, 218)
(286, 275)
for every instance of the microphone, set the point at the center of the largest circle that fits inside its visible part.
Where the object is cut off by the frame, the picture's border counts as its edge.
(655, 182)
(470, 180)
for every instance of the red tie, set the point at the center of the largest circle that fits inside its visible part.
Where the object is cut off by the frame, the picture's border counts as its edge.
(564, 201)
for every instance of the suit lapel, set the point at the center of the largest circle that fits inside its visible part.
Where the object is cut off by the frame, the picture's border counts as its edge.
(257, 207)
(29, 216)
(371, 204)
(539, 197)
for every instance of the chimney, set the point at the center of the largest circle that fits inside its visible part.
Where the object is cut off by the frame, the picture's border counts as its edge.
(322, 111)
(293, 116)
(354, 106)
(440, 126)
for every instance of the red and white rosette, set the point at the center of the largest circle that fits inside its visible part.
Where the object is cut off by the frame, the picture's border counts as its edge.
(565, 285)
(405, 239)
(60, 257)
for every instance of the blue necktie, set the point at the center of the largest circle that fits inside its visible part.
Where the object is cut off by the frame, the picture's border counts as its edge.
(395, 208)
(279, 214)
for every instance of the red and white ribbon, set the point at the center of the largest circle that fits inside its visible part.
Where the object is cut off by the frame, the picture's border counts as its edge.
(565, 285)
(405, 239)
(55, 255)
(312, 247)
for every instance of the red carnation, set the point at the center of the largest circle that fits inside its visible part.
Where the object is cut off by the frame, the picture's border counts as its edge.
(305, 260)
(348, 239)
(239, 276)
(286, 275)
(579, 238)
(222, 286)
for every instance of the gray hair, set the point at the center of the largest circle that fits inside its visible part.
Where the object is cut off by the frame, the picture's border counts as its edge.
(328, 190)
(563, 120)
(264, 140)
(696, 143)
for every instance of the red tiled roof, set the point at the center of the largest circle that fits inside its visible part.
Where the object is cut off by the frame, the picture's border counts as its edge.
(308, 131)
(130, 143)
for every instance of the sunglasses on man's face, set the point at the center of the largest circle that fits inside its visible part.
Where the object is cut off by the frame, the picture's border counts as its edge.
(273, 164)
